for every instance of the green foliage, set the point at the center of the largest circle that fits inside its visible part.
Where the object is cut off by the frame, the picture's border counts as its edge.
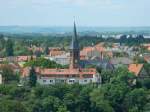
(46, 51)
(147, 68)
(11, 106)
(136, 99)
(8, 74)
(118, 93)
(43, 63)
(9, 48)
(32, 77)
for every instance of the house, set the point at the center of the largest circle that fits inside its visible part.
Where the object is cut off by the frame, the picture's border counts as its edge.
(147, 46)
(138, 70)
(56, 53)
(19, 58)
(24, 58)
(121, 61)
(102, 63)
(1, 60)
(94, 51)
(69, 76)
(147, 59)
(74, 74)
(63, 59)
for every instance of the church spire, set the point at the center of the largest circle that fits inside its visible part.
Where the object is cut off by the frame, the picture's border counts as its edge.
(75, 30)
(74, 50)
(74, 43)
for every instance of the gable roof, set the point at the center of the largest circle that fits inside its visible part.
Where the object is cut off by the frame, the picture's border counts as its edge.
(147, 59)
(135, 68)
(121, 60)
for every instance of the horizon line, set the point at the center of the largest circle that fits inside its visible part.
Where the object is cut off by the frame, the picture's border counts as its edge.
(69, 26)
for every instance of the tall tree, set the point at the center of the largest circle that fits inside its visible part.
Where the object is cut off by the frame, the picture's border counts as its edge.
(46, 50)
(8, 74)
(32, 77)
(9, 48)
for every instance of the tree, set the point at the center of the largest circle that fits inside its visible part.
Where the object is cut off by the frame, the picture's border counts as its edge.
(51, 104)
(44, 63)
(136, 99)
(9, 48)
(32, 77)
(8, 74)
(99, 103)
(62, 109)
(147, 68)
(106, 76)
(46, 50)
(11, 106)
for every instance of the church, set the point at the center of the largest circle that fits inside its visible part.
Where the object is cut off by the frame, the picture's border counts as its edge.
(74, 74)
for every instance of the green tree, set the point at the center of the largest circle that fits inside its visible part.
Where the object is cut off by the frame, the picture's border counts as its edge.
(9, 48)
(136, 99)
(62, 109)
(32, 77)
(8, 74)
(46, 51)
(11, 106)
(99, 103)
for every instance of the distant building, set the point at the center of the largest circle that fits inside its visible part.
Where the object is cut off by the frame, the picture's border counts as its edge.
(56, 53)
(74, 74)
(63, 59)
(119, 61)
(138, 70)
(18, 58)
(147, 59)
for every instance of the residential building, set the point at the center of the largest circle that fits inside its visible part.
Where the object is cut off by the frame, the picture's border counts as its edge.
(121, 61)
(138, 70)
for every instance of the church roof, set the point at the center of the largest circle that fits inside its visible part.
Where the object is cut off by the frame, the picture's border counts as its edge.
(74, 43)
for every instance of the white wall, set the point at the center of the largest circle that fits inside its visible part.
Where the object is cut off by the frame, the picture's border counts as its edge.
(0, 79)
(48, 80)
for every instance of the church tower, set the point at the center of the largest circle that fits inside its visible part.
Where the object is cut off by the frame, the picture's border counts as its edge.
(74, 50)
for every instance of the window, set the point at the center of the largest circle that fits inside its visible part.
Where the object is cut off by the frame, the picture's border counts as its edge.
(71, 80)
(51, 81)
(85, 80)
(44, 80)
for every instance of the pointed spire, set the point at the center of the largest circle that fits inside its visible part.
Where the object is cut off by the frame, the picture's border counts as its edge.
(75, 30)
(74, 43)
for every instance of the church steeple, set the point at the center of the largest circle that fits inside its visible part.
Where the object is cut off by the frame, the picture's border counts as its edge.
(74, 50)
(74, 43)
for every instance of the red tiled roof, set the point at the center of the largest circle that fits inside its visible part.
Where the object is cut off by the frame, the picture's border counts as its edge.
(48, 72)
(135, 68)
(99, 45)
(24, 58)
(56, 52)
(90, 49)
(147, 58)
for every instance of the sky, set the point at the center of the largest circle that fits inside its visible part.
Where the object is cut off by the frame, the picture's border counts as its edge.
(100, 13)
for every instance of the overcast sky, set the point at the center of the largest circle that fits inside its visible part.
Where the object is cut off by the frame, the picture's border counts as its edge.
(86, 12)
